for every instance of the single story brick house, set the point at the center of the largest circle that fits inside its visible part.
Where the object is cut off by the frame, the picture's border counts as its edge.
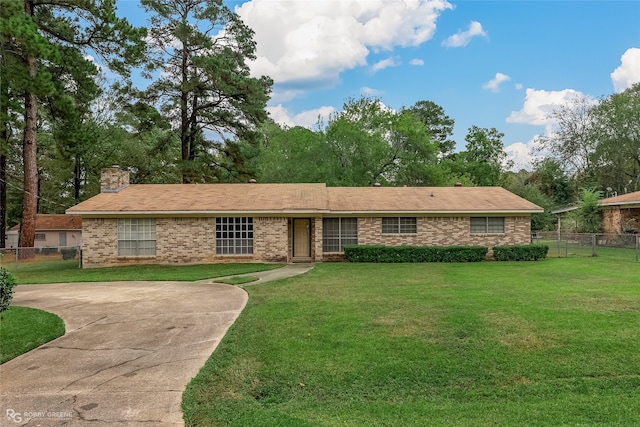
(210, 223)
(620, 214)
(52, 230)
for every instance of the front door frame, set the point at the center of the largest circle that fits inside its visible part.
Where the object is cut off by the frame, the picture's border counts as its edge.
(295, 224)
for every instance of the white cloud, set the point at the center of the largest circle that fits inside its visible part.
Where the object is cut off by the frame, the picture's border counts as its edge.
(494, 84)
(519, 86)
(537, 110)
(306, 119)
(91, 59)
(540, 104)
(283, 95)
(416, 61)
(301, 43)
(522, 155)
(462, 38)
(385, 63)
(370, 91)
(628, 72)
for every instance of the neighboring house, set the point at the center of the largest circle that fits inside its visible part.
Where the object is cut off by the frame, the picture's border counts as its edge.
(209, 223)
(620, 214)
(51, 231)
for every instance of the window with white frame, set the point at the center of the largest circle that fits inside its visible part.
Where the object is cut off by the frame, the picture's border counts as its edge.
(487, 225)
(136, 237)
(399, 225)
(40, 236)
(337, 232)
(234, 236)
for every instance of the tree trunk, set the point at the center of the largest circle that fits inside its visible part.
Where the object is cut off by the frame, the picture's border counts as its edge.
(3, 187)
(184, 119)
(29, 159)
(29, 155)
(77, 178)
(193, 129)
(4, 148)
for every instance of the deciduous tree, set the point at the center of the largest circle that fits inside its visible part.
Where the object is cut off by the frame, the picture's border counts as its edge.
(572, 142)
(439, 126)
(588, 216)
(616, 158)
(552, 181)
(371, 143)
(294, 154)
(484, 155)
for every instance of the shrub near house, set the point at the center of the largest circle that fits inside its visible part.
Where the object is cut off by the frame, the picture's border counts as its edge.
(355, 253)
(520, 252)
(7, 283)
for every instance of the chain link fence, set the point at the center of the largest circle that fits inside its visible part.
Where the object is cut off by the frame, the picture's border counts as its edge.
(619, 246)
(15, 258)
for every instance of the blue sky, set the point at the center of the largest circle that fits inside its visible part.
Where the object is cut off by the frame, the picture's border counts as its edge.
(502, 64)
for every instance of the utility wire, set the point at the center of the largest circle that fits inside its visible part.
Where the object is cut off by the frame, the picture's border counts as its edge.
(22, 190)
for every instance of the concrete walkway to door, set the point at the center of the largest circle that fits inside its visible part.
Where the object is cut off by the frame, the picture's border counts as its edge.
(129, 350)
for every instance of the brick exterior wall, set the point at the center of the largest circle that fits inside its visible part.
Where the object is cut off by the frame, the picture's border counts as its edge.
(616, 220)
(100, 242)
(316, 252)
(113, 179)
(271, 239)
(183, 241)
(192, 240)
(442, 231)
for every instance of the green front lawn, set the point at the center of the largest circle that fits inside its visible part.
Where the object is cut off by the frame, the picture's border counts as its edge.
(66, 271)
(553, 342)
(24, 328)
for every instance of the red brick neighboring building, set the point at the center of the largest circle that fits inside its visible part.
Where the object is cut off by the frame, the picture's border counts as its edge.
(621, 214)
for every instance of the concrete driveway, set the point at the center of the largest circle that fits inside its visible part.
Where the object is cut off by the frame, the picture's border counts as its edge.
(129, 350)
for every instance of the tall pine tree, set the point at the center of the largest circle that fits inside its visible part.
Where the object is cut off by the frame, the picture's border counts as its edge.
(204, 86)
(38, 36)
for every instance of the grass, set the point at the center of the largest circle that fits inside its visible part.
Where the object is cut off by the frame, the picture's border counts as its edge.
(238, 280)
(575, 249)
(24, 328)
(68, 271)
(553, 342)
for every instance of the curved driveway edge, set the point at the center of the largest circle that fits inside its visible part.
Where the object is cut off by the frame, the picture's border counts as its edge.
(129, 350)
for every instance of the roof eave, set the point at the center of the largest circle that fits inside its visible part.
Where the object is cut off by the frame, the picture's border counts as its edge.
(441, 212)
(304, 212)
(58, 229)
(632, 203)
(563, 210)
(101, 214)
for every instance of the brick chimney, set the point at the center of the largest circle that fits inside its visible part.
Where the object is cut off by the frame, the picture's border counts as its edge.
(113, 179)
